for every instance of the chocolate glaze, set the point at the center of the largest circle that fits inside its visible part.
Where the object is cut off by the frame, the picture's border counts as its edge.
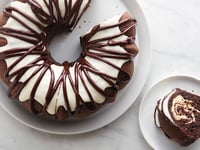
(40, 40)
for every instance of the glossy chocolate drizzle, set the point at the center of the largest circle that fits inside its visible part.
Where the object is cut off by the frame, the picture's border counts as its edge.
(39, 40)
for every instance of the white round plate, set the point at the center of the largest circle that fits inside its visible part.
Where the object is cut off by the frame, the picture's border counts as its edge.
(153, 135)
(98, 11)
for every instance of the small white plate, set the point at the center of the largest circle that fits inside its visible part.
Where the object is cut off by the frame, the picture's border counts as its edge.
(98, 11)
(153, 135)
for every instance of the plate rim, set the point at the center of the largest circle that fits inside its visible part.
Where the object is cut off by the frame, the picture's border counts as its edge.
(148, 44)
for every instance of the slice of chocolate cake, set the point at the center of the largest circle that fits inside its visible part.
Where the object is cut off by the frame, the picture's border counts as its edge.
(178, 115)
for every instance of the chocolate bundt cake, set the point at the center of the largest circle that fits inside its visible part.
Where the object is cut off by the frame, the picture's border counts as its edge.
(178, 115)
(71, 89)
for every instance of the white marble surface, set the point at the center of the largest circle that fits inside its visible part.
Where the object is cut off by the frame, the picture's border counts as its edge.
(175, 33)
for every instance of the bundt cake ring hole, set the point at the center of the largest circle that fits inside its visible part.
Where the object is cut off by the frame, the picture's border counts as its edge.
(65, 47)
